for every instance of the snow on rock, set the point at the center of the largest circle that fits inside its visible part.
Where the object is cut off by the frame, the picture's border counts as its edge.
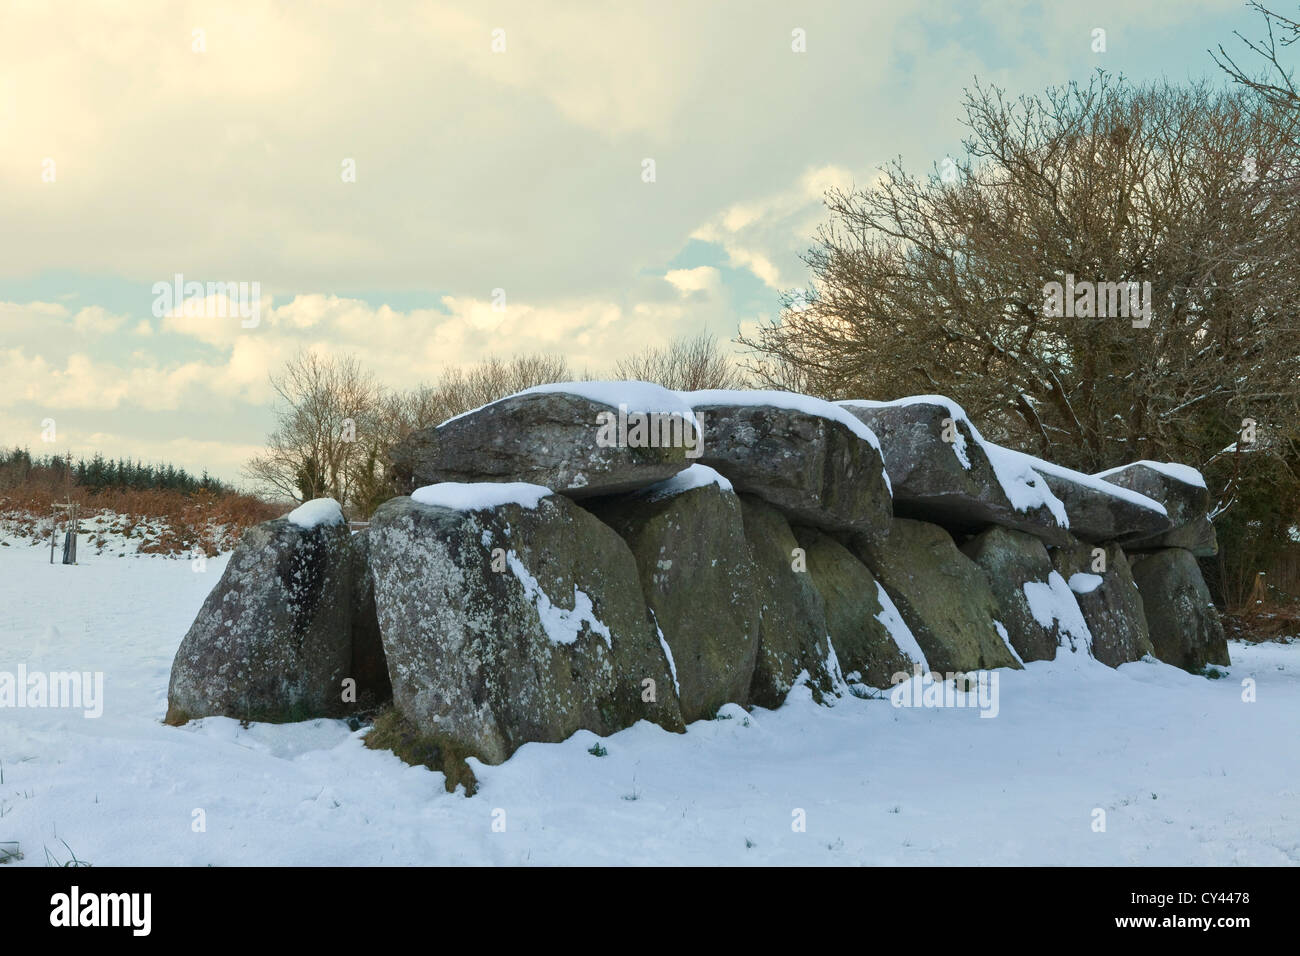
(1006, 639)
(562, 626)
(1053, 604)
(317, 512)
(792, 401)
(668, 653)
(1024, 489)
(1023, 486)
(637, 396)
(1091, 482)
(832, 667)
(898, 629)
(480, 495)
(1184, 473)
(696, 476)
(1084, 583)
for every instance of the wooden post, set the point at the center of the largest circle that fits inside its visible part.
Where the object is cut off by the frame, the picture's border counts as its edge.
(1258, 593)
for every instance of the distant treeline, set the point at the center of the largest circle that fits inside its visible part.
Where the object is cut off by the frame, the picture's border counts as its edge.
(18, 467)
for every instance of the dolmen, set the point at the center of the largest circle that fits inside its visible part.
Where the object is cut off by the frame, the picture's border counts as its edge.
(587, 555)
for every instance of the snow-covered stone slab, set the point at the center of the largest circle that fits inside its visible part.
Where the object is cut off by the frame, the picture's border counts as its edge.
(811, 459)
(577, 438)
(1098, 510)
(480, 495)
(688, 538)
(942, 470)
(1181, 489)
(513, 622)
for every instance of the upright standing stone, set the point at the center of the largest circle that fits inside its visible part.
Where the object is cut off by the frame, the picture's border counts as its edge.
(510, 615)
(1027, 588)
(942, 595)
(1102, 582)
(793, 646)
(274, 639)
(688, 538)
(865, 647)
(1185, 627)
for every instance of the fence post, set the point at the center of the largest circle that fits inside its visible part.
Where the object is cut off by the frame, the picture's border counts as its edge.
(72, 527)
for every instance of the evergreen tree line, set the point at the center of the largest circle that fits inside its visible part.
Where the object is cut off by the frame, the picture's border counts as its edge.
(97, 473)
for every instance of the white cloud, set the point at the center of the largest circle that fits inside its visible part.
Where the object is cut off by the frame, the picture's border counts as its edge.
(758, 233)
(474, 169)
(703, 279)
(403, 348)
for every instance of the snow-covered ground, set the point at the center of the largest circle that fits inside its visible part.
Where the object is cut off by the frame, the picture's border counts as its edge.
(1185, 771)
(105, 533)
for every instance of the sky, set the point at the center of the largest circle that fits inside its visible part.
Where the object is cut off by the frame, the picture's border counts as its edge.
(426, 184)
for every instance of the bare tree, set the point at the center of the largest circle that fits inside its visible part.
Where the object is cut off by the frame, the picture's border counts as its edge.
(1275, 82)
(460, 391)
(685, 364)
(324, 428)
(334, 424)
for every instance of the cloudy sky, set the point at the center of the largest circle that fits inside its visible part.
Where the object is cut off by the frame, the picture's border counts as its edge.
(382, 169)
